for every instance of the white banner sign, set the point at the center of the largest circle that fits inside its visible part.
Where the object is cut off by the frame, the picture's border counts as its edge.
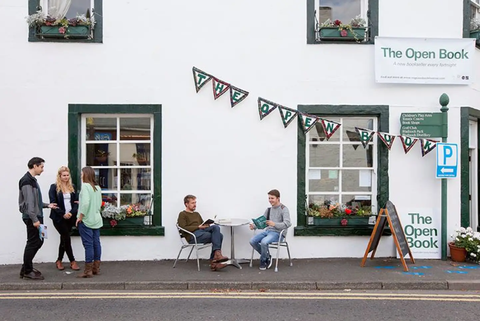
(424, 61)
(422, 228)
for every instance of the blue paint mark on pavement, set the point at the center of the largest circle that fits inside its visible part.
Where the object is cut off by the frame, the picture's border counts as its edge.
(413, 273)
(457, 272)
(385, 267)
(469, 267)
(421, 267)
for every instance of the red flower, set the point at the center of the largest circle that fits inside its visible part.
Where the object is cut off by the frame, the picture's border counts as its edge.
(113, 223)
(344, 222)
(344, 33)
(348, 211)
(62, 29)
(337, 22)
(103, 203)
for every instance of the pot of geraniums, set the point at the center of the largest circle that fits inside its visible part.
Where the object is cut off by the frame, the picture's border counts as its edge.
(79, 27)
(465, 245)
(336, 214)
(337, 30)
(475, 30)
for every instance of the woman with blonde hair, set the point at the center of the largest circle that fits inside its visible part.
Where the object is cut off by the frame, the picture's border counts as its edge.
(64, 215)
(89, 222)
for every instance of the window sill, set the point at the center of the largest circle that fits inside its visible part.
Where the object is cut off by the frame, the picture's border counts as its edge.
(128, 231)
(356, 35)
(337, 230)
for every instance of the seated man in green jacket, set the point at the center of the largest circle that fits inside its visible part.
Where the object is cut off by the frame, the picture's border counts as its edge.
(206, 233)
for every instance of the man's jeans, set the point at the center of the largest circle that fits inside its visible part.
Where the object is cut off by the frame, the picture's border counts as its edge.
(210, 234)
(91, 242)
(260, 243)
(33, 245)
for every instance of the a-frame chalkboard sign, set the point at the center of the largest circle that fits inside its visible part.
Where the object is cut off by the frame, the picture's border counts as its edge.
(389, 214)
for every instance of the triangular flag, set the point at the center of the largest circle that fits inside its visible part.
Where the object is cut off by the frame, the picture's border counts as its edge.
(427, 146)
(219, 87)
(237, 95)
(366, 135)
(353, 137)
(287, 114)
(308, 121)
(387, 139)
(329, 127)
(408, 142)
(265, 107)
(200, 78)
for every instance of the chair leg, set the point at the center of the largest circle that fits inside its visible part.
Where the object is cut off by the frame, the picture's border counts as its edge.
(175, 263)
(278, 254)
(198, 260)
(251, 259)
(191, 250)
(289, 257)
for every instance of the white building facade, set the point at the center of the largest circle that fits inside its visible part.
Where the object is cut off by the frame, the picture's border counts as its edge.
(121, 97)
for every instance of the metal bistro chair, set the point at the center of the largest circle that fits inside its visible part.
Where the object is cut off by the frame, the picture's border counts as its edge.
(277, 246)
(195, 245)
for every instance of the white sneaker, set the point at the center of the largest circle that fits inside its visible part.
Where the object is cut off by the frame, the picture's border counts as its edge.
(269, 262)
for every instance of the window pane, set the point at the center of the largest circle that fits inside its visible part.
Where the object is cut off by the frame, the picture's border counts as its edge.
(357, 180)
(318, 134)
(141, 200)
(101, 154)
(349, 124)
(101, 128)
(324, 155)
(110, 198)
(361, 201)
(106, 178)
(134, 128)
(323, 180)
(78, 7)
(339, 10)
(357, 156)
(135, 178)
(320, 199)
(135, 154)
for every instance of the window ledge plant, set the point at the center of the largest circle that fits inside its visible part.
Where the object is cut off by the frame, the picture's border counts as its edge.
(80, 27)
(468, 240)
(336, 30)
(115, 214)
(338, 214)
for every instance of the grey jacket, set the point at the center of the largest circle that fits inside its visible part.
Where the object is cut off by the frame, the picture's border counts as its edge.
(280, 216)
(30, 202)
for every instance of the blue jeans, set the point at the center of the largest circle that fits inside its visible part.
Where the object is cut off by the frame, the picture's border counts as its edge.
(260, 243)
(210, 234)
(91, 243)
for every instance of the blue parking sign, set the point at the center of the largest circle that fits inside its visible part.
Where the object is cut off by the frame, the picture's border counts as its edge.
(447, 160)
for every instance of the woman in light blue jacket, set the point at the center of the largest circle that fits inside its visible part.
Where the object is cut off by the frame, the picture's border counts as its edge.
(89, 222)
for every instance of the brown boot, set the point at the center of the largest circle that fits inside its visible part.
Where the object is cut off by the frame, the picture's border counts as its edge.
(87, 273)
(219, 266)
(59, 265)
(218, 257)
(96, 267)
(74, 266)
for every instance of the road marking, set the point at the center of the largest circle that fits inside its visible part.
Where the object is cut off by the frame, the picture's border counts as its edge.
(253, 295)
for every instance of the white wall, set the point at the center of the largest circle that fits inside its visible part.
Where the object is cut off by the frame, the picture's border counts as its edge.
(227, 157)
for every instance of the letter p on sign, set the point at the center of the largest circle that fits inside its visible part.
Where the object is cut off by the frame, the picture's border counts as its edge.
(447, 160)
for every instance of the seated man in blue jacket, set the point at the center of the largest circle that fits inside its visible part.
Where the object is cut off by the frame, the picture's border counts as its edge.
(278, 218)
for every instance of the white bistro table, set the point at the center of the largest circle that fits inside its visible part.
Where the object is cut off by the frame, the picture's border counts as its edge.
(233, 222)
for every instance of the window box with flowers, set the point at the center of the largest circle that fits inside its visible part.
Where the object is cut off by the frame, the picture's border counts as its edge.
(330, 214)
(336, 30)
(125, 215)
(80, 27)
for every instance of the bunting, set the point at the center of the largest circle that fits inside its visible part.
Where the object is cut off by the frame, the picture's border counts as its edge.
(308, 121)
(287, 114)
(329, 127)
(366, 135)
(427, 146)
(265, 107)
(407, 142)
(219, 87)
(387, 139)
(237, 95)
(200, 78)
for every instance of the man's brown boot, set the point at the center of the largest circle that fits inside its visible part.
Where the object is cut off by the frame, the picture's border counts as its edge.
(218, 257)
(96, 267)
(219, 266)
(87, 273)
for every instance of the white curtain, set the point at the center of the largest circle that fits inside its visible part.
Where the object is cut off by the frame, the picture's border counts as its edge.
(58, 8)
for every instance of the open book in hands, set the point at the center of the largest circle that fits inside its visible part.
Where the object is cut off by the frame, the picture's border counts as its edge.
(260, 222)
(209, 221)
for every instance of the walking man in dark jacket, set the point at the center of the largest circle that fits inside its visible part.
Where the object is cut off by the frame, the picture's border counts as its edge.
(31, 206)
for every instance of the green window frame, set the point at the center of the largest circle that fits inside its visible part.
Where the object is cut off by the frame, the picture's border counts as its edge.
(372, 32)
(467, 16)
(75, 112)
(34, 5)
(381, 112)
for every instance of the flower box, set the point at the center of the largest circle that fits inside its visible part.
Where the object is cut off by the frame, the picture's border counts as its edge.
(334, 33)
(77, 32)
(351, 221)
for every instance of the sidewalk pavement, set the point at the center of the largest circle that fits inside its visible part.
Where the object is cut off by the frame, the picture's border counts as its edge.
(305, 274)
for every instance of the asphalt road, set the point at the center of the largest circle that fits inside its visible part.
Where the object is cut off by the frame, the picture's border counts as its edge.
(234, 305)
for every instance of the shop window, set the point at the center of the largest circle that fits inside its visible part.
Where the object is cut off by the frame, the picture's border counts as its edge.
(122, 145)
(65, 20)
(339, 178)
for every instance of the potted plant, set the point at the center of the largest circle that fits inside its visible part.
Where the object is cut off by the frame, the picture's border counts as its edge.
(134, 212)
(336, 214)
(79, 27)
(336, 30)
(475, 30)
(466, 244)
(141, 158)
(101, 156)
